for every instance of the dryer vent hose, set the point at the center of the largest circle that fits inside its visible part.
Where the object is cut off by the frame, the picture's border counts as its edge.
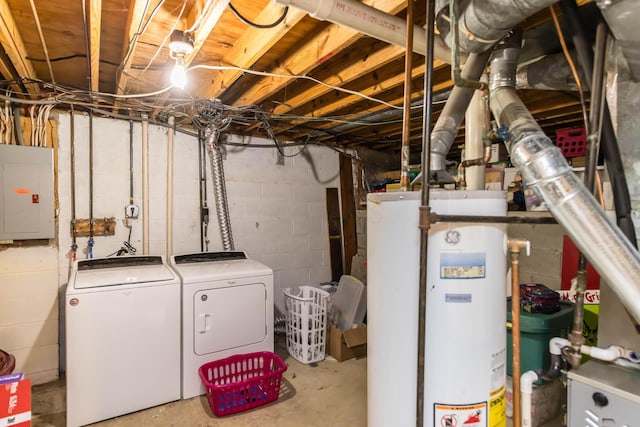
(220, 189)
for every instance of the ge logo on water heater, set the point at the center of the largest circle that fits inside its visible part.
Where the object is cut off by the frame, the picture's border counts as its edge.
(452, 237)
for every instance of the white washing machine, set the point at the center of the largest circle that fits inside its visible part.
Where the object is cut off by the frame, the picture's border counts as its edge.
(227, 309)
(122, 337)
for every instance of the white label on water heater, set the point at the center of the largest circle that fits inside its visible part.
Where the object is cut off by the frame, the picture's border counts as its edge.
(456, 265)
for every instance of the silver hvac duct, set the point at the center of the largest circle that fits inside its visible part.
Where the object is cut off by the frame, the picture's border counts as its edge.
(547, 172)
(452, 114)
(219, 187)
(482, 23)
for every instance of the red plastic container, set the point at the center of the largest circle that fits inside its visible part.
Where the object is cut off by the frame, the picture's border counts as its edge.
(572, 142)
(242, 382)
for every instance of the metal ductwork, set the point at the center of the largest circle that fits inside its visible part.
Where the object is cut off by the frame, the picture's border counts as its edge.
(622, 17)
(551, 72)
(482, 23)
(547, 172)
(446, 128)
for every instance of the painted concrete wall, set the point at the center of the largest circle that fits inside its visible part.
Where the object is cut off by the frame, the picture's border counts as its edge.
(278, 216)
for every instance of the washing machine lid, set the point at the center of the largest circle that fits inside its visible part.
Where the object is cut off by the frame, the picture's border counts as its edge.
(206, 266)
(101, 272)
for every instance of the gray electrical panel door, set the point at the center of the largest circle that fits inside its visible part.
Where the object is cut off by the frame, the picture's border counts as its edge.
(26, 193)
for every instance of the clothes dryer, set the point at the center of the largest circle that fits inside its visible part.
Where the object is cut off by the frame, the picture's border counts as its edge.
(227, 309)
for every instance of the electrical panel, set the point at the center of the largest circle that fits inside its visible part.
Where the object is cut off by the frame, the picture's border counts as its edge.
(602, 394)
(26, 193)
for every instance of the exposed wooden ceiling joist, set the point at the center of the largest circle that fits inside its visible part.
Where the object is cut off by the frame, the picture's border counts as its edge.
(95, 28)
(14, 46)
(311, 54)
(137, 11)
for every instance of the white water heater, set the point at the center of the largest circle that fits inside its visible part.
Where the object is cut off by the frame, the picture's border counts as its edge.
(465, 355)
(465, 339)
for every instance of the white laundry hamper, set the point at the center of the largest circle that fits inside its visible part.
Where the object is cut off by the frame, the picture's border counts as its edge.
(306, 323)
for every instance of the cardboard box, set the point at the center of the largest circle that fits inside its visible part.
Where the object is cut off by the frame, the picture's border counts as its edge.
(345, 345)
(498, 153)
(15, 404)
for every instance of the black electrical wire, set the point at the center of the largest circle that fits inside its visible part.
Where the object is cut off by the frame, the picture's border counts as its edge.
(68, 57)
(261, 26)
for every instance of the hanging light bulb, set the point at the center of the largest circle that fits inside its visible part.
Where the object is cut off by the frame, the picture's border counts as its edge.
(180, 46)
(179, 73)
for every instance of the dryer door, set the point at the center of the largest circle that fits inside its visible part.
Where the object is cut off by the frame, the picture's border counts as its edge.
(226, 318)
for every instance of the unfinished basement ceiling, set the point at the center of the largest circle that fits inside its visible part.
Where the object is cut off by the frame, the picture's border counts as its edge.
(359, 103)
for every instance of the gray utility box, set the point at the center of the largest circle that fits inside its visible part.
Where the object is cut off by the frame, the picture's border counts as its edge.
(26, 193)
(602, 394)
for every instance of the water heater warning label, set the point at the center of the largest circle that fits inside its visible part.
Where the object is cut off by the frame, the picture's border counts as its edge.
(455, 265)
(474, 415)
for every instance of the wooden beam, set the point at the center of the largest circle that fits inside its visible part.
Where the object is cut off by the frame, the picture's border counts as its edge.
(14, 46)
(344, 76)
(202, 33)
(309, 55)
(95, 28)
(200, 36)
(246, 51)
(335, 233)
(348, 206)
(137, 9)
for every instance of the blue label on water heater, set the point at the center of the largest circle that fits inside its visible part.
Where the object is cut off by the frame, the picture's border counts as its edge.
(465, 265)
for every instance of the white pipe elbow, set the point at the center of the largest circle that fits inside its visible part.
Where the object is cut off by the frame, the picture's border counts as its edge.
(608, 354)
(556, 344)
(526, 381)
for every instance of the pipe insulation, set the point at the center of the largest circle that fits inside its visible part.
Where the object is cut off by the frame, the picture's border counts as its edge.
(219, 188)
(547, 172)
(448, 123)
(370, 21)
(483, 23)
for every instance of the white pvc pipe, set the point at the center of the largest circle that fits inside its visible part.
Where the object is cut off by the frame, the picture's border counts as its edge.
(473, 146)
(145, 184)
(170, 137)
(526, 390)
(609, 354)
(370, 21)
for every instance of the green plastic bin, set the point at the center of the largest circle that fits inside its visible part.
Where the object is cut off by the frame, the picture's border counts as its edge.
(536, 330)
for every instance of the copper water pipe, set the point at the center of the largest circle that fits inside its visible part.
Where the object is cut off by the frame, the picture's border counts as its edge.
(515, 245)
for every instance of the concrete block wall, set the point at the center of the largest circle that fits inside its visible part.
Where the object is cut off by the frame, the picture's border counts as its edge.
(278, 216)
(29, 309)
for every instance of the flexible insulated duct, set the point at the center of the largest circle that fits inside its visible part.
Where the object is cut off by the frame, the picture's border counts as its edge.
(547, 172)
(448, 122)
(370, 21)
(220, 188)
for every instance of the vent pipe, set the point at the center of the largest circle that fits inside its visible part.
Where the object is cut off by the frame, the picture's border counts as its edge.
(547, 172)
(370, 21)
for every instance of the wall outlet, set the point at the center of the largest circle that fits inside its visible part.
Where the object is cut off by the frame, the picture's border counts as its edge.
(131, 211)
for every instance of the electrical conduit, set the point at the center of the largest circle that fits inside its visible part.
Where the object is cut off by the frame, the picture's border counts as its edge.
(170, 136)
(145, 184)
(547, 172)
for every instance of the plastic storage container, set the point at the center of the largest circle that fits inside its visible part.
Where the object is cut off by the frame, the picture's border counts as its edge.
(536, 330)
(242, 381)
(306, 323)
(349, 303)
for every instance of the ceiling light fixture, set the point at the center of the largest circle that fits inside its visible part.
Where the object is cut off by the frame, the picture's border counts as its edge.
(180, 45)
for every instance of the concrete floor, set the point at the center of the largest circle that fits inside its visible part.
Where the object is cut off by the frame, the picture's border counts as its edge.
(330, 394)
